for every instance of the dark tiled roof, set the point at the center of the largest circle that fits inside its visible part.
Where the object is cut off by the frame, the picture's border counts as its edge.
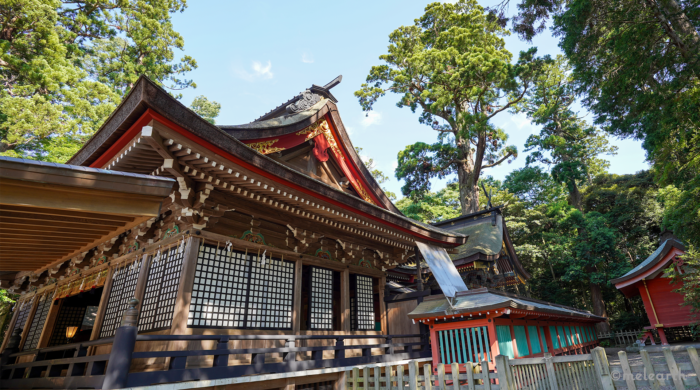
(323, 91)
(79, 168)
(484, 299)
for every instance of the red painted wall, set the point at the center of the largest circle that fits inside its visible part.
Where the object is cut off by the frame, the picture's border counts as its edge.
(667, 303)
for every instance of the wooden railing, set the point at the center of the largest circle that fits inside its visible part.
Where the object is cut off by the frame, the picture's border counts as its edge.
(70, 367)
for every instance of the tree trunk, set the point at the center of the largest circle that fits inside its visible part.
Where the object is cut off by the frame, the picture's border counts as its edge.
(599, 305)
(575, 199)
(680, 22)
(468, 180)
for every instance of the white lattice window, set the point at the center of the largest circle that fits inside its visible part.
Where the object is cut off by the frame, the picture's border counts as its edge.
(321, 299)
(363, 303)
(42, 311)
(235, 290)
(123, 288)
(161, 290)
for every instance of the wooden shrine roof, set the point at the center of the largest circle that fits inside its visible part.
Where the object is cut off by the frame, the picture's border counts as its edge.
(641, 270)
(489, 240)
(279, 123)
(147, 102)
(485, 299)
(51, 212)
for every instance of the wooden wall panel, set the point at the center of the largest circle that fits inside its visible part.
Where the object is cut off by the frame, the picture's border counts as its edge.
(398, 320)
(668, 304)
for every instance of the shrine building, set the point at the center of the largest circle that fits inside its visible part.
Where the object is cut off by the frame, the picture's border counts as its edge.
(171, 251)
(250, 249)
(664, 307)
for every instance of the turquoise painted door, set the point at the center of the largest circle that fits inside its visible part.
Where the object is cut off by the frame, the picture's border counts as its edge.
(553, 335)
(463, 345)
(521, 340)
(534, 339)
(505, 340)
(543, 338)
(562, 337)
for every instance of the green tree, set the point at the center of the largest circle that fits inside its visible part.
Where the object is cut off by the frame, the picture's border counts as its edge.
(566, 142)
(638, 65)
(533, 185)
(687, 275)
(617, 229)
(571, 147)
(205, 108)
(432, 206)
(453, 65)
(6, 302)
(65, 65)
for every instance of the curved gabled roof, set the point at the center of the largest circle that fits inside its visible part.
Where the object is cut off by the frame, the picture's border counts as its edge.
(278, 123)
(488, 237)
(651, 261)
(146, 95)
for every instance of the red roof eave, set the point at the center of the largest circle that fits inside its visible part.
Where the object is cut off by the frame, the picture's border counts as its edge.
(149, 115)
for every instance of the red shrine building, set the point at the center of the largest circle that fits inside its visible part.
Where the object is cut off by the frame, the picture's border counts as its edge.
(664, 307)
(249, 249)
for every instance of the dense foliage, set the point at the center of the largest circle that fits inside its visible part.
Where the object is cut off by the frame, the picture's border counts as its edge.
(65, 65)
(636, 66)
(617, 228)
(205, 108)
(452, 65)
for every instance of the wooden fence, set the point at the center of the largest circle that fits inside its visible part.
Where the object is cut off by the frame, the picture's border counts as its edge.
(626, 337)
(573, 372)
(672, 373)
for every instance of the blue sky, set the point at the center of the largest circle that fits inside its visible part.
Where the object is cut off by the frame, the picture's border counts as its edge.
(253, 56)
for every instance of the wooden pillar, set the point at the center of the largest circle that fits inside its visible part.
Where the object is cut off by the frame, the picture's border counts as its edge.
(50, 322)
(434, 345)
(495, 351)
(345, 300)
(419, 276)
(547, 337)
(528, 337)
(339, 383)
(382, 306)
(102, 308)
(290, 385)
(662, 336)
(140, 289)
(45, 328)
(184, 290)
(296, 308)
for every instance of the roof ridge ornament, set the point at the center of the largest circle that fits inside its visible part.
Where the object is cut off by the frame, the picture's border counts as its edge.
(305, 102)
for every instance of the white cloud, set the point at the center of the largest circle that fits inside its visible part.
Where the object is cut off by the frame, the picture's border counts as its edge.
(371, 118)
(349, 130)
(395, 164)
(259, 72)
(307, 58)
(521, 120)
(364, 158)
